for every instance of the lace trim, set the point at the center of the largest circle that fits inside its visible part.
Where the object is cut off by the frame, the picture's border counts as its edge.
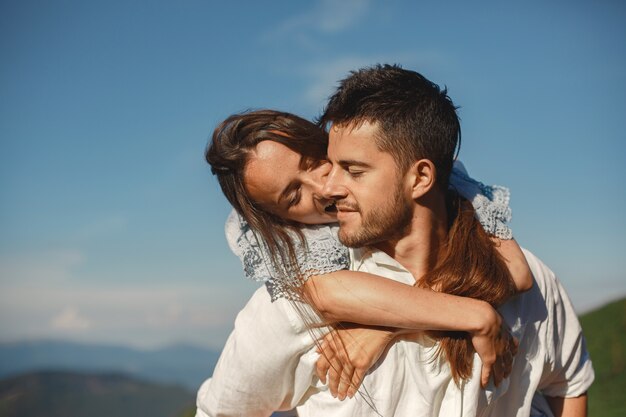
(491, 203)
(320, 253)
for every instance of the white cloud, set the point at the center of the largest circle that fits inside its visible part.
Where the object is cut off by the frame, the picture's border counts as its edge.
(141, 315)
(335, 16)
(70, 320)
(326, 16)
(57, 294)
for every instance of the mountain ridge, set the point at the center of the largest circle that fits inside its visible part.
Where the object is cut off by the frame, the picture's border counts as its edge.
(185, 365)
(62, 394)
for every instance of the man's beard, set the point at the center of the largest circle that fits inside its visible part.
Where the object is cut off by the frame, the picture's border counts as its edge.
(380, 224)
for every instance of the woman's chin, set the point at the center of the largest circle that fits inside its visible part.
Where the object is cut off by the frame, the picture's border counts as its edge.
(332, 215)
(327, 217)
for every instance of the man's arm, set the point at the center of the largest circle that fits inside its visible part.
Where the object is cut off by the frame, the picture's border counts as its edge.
(568, 372)
(260, 369)
(568, 407)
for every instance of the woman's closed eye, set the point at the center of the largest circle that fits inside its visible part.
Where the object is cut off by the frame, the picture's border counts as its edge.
(294, 198)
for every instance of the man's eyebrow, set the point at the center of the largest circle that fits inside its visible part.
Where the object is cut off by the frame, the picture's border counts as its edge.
(353, 162)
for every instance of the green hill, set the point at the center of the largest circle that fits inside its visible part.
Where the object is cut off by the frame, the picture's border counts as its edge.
(605, 332)
(64, 394)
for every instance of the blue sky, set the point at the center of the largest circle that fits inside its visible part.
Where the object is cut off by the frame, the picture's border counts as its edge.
(112, 226)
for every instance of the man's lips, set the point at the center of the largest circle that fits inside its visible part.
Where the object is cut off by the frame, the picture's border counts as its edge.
(345, 209)
(345, 212)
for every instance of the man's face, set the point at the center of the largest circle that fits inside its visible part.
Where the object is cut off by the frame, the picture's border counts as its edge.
(372, 201)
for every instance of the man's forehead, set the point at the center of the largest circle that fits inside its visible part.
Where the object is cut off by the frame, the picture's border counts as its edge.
(350, 140)
(352, 125)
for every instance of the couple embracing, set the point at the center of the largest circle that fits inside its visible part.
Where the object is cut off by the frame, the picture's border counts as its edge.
(393, 286)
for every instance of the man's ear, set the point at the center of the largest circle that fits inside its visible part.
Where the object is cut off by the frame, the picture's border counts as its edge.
(422, 177)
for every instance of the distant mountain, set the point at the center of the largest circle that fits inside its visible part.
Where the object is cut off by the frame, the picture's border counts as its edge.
(605, 332)
(183, 365)
(64, 394)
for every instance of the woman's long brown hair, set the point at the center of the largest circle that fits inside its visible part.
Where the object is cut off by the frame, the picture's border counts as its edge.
(469, 266)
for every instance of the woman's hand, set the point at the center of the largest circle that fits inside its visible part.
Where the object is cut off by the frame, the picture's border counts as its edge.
(347, 354)
(496, 347)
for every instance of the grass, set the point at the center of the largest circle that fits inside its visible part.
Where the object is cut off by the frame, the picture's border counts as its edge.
(605, 331)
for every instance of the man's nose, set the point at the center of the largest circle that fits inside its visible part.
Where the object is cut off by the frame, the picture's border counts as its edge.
(333, 189)
(317, 180)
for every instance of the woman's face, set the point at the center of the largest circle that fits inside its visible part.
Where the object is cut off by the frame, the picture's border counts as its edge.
(276, 179)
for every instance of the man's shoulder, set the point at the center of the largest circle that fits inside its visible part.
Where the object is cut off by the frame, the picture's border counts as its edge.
(544, 277)
(544, 303)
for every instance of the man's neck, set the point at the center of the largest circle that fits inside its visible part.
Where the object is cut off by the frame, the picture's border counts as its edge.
(419, 249)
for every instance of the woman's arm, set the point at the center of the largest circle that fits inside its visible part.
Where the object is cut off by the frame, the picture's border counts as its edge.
(359, 297)
(516, 263)
(363, 298)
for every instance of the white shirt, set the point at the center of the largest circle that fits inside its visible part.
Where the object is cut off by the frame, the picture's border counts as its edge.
(268, 362)
(552, 357)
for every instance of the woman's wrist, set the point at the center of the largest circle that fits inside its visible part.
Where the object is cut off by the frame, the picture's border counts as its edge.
(485, 320)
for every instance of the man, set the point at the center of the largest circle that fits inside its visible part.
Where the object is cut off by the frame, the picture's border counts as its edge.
(392, 142)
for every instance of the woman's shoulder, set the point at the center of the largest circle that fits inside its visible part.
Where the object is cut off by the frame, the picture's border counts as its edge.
(317, 249)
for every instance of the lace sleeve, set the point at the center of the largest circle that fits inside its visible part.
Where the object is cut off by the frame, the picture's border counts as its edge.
(491, 202)
(251, 251)
(319, 253)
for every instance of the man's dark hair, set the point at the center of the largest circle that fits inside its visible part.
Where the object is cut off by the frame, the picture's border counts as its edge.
(416, 118)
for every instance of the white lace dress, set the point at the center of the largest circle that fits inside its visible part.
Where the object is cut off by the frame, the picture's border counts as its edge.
(321, 252)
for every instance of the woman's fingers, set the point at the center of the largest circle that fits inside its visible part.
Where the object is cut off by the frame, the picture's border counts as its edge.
(331, 351)
(334, 367)
(321, 368)
(334, 376)
(346, 356)
(345, 382)
(485, 374)
(357, 378)
(323, 363)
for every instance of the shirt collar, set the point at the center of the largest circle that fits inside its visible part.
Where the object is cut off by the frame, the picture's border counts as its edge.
(378, 257)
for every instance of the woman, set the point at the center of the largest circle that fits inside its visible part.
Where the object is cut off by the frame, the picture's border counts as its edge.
(271, 167)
